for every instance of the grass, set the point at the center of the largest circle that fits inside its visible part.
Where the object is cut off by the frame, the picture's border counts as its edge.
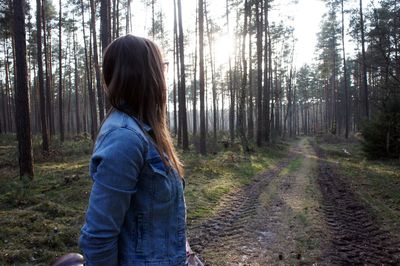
(376, 182)
(40, 220)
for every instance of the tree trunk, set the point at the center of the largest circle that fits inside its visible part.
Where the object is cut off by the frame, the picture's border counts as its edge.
(259, 77)
(195, 80)
(45, 137)
(76, 75)
(201, 66)
(49, 75)
(100, 98)
(346, 97)
(266, 98)
(92, 101)
(22, 115)
(182, 94)
(60, 81)
(213, 85)
(242, 100)
(363, 64)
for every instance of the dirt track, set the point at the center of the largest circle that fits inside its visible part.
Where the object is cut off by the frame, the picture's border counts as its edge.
(358, 240)
(298, 213)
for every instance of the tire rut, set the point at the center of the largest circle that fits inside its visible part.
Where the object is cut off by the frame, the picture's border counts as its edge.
(357, 239)
(233, 222)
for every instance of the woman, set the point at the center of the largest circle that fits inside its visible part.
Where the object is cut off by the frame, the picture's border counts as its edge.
(136, 212)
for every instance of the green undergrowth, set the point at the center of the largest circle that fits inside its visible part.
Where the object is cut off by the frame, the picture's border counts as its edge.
(376, 182)
(210, 177)
(40, 220)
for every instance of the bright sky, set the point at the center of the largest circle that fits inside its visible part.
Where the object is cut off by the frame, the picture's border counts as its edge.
(306, 15)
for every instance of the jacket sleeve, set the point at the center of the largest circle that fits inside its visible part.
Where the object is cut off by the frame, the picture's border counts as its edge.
(115, 167)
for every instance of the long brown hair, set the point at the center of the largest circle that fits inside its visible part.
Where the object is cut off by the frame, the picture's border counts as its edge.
(133, 70)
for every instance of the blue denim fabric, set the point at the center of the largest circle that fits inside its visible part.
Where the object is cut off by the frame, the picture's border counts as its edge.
(136, 212)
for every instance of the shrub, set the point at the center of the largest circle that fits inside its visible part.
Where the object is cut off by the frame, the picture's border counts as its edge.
(382, 133)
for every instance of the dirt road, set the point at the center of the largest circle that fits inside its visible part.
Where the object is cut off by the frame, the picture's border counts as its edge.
(299, 213)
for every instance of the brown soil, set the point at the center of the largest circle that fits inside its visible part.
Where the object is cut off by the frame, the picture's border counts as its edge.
(358, 239)
(265, 223)
(299, 213)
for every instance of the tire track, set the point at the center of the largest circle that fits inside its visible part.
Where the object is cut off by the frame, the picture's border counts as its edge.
(236, 221)
(357, 239)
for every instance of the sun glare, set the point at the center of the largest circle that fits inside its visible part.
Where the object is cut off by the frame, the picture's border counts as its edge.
(224, 48)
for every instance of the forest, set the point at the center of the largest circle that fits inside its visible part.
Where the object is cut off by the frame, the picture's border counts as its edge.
(315, 145)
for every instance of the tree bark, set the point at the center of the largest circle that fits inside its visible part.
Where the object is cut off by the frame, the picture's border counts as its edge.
(100, 98)
(346, 97)
(92, 101)
(45, 137)
(201, 66)
(22, 115)
(266, 98)
(242, 99)
(60, 81)
(363, 64)
(182, 94)
(259, 136)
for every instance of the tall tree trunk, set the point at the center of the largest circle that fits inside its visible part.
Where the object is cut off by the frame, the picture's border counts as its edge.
(60, 81)
(105, 26)
(182, 94)
(259, 76)
(213, 85)
(128, 18)
(231, 88)
(195, 80)
(242, 100)
(363, 64)
(48, 64)
(22, 115)
(92, 101)
(266, 98)
(346, 97)
(45, 136)
(76, 75)
(100, 98)
(177, 116)
(250, 123)
(201, 66)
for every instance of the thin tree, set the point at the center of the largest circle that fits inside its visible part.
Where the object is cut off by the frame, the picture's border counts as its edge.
(345, 79)
(195, 79)
(182, 94)
(76, 75)
(242, 99)
(45, 136)
(93, 112)
(266, 98)
(100, 98)
(22, 115)
(259, 76)
(48, 63)
(201, 77)
(363, 65)
(212, 66)
(60, 81)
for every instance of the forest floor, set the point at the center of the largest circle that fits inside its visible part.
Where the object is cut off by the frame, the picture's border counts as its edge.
(302, 202)
(40, 220)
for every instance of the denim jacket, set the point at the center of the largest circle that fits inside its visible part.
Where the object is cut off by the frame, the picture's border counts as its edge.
(136, 211)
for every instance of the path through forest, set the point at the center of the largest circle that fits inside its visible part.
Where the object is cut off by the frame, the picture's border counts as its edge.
(299, 212)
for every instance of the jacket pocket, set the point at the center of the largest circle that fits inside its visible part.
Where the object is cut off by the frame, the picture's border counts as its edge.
(161, 181)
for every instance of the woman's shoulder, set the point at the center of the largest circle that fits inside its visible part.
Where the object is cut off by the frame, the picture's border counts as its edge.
(116, 120)
(120, 124)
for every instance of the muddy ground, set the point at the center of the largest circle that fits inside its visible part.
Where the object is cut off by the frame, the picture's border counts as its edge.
(299, 213)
